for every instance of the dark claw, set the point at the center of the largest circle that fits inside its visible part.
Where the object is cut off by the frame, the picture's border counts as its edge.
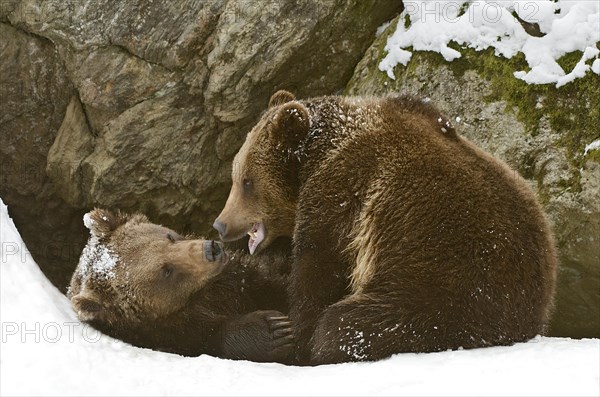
(278, 318)
(286, 340)
(279, 333)
(281, 324)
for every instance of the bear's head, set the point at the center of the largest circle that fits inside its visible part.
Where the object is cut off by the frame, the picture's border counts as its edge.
(264, 191)
(132, 270)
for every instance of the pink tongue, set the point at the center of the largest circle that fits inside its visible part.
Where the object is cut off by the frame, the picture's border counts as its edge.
(260, 236)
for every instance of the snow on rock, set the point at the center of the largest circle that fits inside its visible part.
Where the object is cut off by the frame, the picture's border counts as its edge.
(581, 68)
(592, 146)
(46, 351)
(567, 26)
(596, 66)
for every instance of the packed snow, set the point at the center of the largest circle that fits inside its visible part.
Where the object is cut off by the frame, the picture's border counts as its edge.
(566, 25)
(46, 351)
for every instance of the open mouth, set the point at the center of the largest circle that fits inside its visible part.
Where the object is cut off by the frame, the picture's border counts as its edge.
(257, 235)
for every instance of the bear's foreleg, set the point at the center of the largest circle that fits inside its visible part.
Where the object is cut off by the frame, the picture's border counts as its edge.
(262, 336)
(317, 281)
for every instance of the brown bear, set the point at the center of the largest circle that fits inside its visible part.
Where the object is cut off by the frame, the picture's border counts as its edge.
(407, 237)
(148, 286)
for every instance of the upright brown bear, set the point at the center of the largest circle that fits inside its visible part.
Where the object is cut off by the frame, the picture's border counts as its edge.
(146, 285)
(407, 237)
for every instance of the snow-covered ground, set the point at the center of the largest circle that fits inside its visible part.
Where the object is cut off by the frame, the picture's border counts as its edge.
(566, 25)
(46, 351)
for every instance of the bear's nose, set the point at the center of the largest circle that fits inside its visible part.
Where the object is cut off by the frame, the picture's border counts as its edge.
(213, 250)
(220, 227)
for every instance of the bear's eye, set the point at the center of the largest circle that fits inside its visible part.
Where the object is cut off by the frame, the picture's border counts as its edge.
(247, 184)
(171, 237)
(167, 271)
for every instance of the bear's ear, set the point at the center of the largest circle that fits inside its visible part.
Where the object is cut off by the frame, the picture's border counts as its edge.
(87, 306)
(291, 124)
(102, 222)
(281, 97)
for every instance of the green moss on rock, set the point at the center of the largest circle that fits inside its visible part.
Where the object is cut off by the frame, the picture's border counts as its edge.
(571, 110)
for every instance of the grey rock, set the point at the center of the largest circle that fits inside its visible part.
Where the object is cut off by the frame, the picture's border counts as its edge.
(35, 92)
(148, 101)
(73, 140)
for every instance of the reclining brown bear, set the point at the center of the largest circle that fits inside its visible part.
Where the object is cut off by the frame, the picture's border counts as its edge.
(407, 237)
(146, 285)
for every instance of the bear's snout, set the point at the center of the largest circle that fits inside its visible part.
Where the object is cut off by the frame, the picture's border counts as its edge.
(221, 228)
(213, 251)
(231, 231)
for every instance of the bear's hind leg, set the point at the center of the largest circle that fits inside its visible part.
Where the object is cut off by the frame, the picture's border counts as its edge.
(363, 329)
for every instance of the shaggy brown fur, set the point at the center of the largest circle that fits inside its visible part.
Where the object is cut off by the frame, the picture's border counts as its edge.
(407, 237)
(148, 286)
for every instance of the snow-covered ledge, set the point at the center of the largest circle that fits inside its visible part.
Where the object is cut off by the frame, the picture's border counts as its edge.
(46, 351)
(564, 27)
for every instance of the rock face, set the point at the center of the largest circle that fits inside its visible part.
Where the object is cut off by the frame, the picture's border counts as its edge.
(141, 105)
(540, 131)
(35, 92)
